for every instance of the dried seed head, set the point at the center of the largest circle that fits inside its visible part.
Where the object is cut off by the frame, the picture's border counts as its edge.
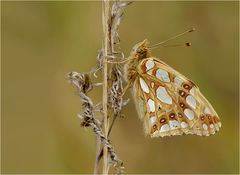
(81, 81)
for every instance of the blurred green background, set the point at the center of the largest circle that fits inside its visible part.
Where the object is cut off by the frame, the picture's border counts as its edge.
(42, 41)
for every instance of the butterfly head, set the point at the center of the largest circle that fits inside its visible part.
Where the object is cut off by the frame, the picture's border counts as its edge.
(141, 50)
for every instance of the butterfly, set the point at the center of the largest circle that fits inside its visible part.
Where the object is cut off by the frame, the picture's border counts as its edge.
(167, 102)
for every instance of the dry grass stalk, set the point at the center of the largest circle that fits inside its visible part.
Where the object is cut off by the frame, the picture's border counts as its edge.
(105, 18)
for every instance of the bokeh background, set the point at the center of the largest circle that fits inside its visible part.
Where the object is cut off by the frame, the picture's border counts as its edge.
(42, 41)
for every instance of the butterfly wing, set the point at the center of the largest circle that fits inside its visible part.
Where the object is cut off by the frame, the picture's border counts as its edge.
(169, 103)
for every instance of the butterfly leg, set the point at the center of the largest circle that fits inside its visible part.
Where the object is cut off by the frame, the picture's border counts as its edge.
(120, 61)
(126, 88)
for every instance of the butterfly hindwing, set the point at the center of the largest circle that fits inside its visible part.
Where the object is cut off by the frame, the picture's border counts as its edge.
(169, 103)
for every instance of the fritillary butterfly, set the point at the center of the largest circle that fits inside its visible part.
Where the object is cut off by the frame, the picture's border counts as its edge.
(167, 102)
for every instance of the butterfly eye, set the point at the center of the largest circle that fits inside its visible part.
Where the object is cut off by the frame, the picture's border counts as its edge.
(139, 48)
(134, 49)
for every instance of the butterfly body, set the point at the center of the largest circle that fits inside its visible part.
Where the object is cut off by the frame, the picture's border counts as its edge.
(167, 102)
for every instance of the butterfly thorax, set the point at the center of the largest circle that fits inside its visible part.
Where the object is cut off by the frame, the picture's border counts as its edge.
(139, 52)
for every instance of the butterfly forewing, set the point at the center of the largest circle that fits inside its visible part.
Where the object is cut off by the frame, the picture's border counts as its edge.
(169, 103)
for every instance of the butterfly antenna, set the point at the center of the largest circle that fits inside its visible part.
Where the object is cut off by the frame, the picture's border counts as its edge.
(188, 31)
(178, 45)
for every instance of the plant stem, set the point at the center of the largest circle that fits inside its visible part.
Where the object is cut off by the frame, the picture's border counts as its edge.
(105, 83)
